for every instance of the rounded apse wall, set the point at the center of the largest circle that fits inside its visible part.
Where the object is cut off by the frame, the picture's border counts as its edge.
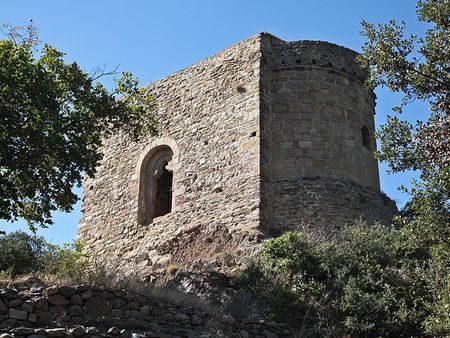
(321, 114)
(318, 138)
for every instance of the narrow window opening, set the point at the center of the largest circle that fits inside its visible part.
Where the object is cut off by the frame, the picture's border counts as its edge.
(163, 203)
(366, 140)
(156, 187)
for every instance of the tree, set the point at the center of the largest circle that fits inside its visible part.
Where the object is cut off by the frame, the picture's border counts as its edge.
(53, 116)
(419, 67)
(21, 253)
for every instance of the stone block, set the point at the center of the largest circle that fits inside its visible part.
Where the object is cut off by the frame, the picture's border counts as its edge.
(50, 291)
(3, 307)
(58, 300)
(55, 333)
(96, 306)
(18, 314)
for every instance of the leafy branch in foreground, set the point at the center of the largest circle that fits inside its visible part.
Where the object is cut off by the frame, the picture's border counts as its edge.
(418, 67)
(53, 117)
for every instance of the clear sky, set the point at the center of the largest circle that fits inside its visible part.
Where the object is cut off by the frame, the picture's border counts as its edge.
(155, 38)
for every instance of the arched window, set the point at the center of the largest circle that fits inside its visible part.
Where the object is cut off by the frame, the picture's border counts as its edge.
(366, 139)
(156, 183)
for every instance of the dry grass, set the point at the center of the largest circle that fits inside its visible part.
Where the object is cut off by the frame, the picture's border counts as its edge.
(172, 269)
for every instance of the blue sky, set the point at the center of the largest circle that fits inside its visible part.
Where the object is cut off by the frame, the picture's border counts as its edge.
(155, 38)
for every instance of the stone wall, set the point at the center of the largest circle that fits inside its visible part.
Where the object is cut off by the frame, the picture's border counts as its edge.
(69, 311)
(247, 127)
(301, 203)
(208, 114)
(313, 107)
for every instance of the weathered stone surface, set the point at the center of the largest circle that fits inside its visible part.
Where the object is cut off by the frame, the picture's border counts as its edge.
(58, 300)
(96, 305)
(55, 333)
(52, 290)
(156, 317)
(67, 291)
(3, 307)
(9, 292)
(41, 304)
(86, 294)
(40, 331)
(78, 331)
(251, 131)
(228, 319)
(17, 314)
(36, 289)
(81, 288)
(22, 331)
(75, 310)
(114, 331)
(244, 334)
(196, 320)
(91, 330)
(28, 306)
(6, 335)
(269, 334)
(32, 317)
(7, 323)
(181, 317)
(15, 303)
(134, 305)
(76, 300)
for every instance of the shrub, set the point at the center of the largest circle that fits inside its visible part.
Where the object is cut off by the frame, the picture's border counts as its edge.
(21, 253)
(369, 283)
(67, 261)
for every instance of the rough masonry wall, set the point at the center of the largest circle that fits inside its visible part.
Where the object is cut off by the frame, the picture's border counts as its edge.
(265, 134)
(209, 115)
(313, 107)
(326, 203)
(68, 311)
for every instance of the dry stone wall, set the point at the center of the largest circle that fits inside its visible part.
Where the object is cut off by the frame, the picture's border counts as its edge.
(249, 128)
(70, 311)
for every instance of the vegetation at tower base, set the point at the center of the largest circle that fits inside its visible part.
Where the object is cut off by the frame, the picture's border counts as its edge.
(369, 283)
(21, 253)
(53, 116)
(381, 281)
(24, 254)
(420, 68)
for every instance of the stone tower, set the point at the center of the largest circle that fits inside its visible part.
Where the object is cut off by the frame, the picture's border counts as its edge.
(263, 137)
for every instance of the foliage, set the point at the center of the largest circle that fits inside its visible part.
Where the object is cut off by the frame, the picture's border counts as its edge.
(21, 253)
(53, 117)
(67, 262)
(368, 284)
(419, 67)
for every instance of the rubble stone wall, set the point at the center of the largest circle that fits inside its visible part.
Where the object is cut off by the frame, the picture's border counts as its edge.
(88, 311)
(248, 127)
(208, 114)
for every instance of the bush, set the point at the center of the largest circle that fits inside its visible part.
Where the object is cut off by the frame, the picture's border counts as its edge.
(67, 262)
(21, 253)
(369, 283)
